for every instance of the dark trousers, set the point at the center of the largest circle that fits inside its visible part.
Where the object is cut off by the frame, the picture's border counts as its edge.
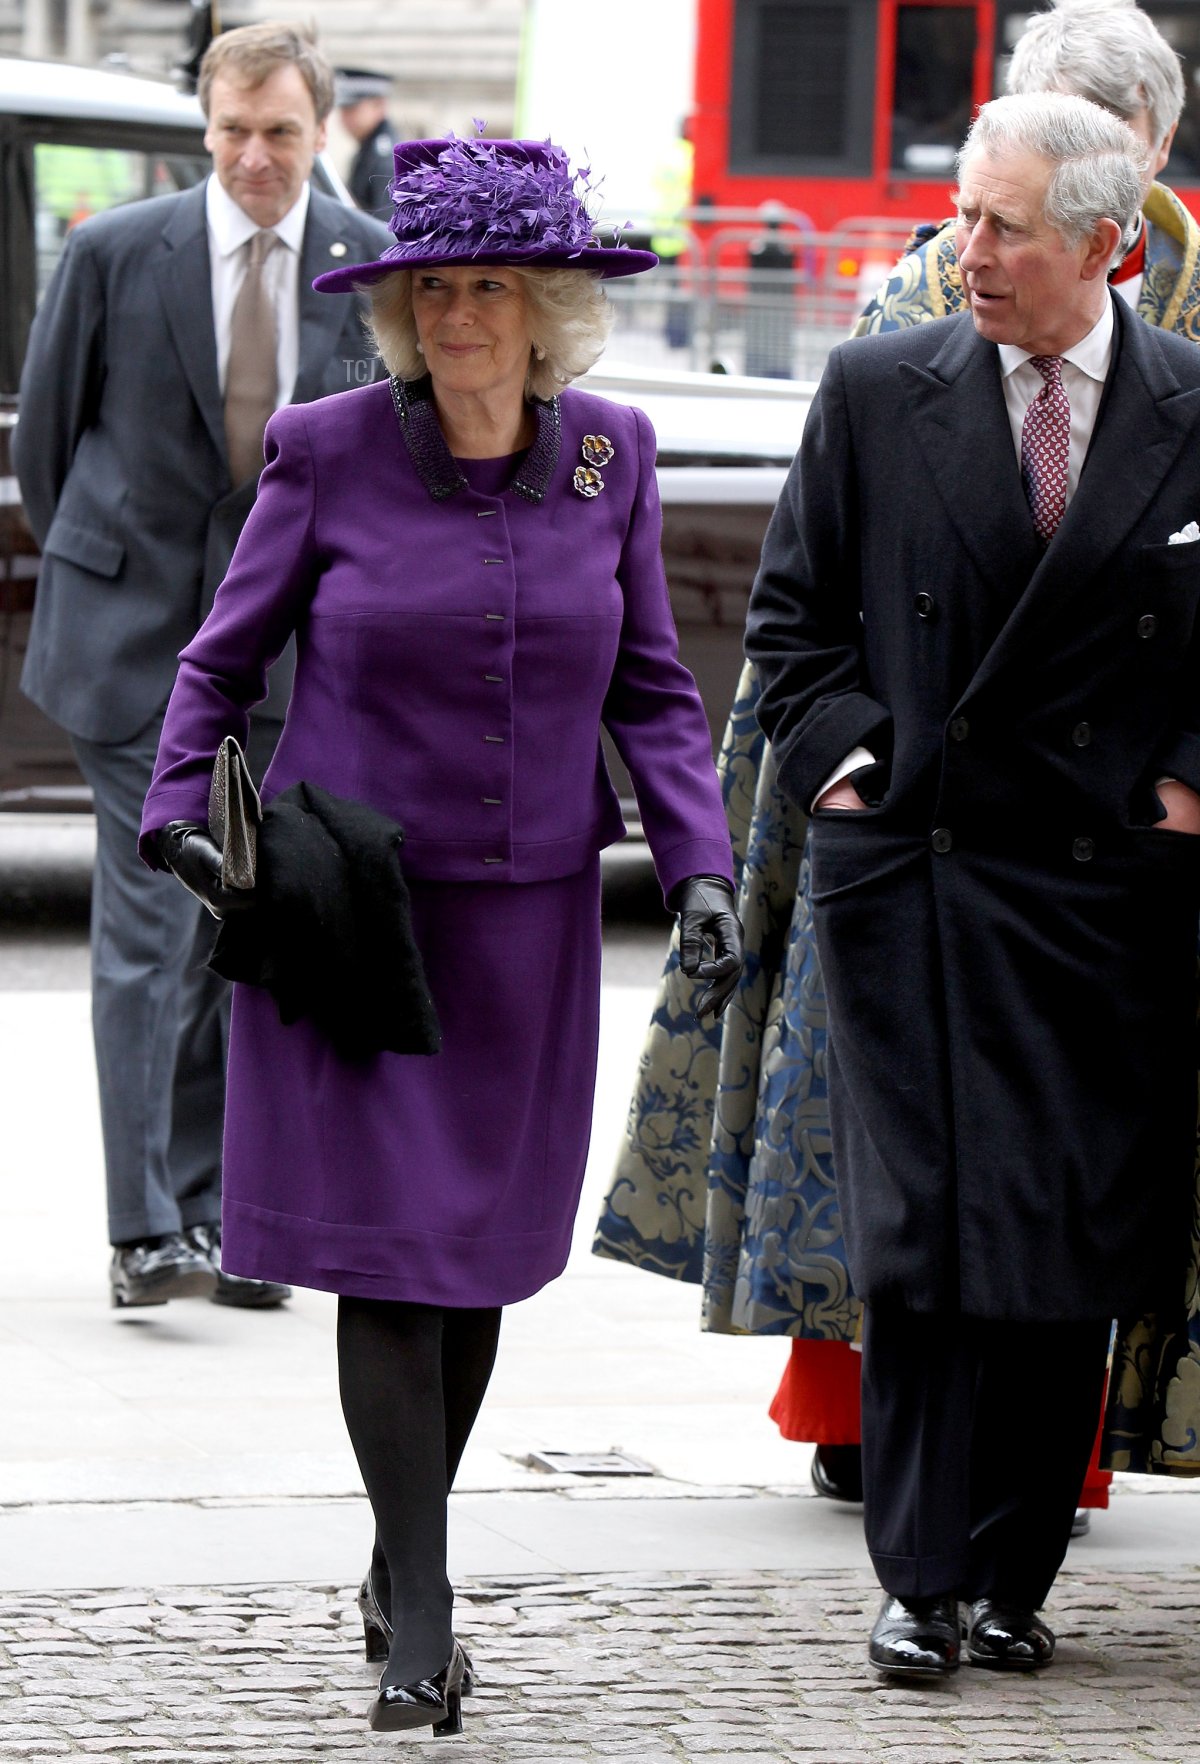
(412, 1378)
(160, 1018)
(976, 1440)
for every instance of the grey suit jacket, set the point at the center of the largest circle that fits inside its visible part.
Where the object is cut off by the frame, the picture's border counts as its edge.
(120, 448)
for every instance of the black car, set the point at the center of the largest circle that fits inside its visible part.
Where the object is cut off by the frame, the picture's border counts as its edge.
(73, 141)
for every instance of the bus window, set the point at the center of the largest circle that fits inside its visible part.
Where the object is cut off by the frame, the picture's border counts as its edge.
(803, 75)
(932, 91)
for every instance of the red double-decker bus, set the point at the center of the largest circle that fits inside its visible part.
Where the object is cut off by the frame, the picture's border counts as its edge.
(844, 109)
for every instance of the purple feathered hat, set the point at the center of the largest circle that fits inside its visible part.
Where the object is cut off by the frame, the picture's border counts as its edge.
(484, 201)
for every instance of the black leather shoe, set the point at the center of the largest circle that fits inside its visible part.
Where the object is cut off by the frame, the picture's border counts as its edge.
(1007, 1638)
(431, 1702)
(916, 1638)
(377, 1634)
(159, 1269)
(837, 1472)
(231, 1289)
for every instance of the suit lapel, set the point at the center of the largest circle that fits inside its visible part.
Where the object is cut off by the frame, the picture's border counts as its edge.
(1143, 422)
(327, 244)
(962, 428)
(184, 278)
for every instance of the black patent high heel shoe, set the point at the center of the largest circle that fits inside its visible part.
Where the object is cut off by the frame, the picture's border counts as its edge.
(377, 1631)
(377, 1634)
(435, 1701)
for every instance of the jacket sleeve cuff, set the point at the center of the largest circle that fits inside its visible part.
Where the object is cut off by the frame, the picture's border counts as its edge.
(161, 809)
(850, 721)
(1181, 759)
(853, 762)
(699, 857)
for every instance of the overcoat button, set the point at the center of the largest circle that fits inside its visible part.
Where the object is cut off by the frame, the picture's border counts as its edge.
(1081, 734)
(959, 729)
(1147, 625)
(925, 605)
(942, 839)
(1083, 850)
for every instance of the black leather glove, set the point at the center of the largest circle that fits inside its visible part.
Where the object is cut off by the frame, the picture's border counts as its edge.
(194, 858)
(707, 919)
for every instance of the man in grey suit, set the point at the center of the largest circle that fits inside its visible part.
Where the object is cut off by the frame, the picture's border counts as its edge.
(170, 331)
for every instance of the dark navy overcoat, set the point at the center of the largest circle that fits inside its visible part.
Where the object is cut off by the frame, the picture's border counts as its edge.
(1008, 940)
(458, 649)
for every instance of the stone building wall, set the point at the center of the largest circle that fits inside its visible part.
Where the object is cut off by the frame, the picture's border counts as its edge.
(451, 59)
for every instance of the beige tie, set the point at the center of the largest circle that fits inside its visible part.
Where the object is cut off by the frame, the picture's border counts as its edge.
(252, 374)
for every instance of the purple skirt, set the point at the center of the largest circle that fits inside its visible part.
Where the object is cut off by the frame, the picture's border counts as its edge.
(450, 1180)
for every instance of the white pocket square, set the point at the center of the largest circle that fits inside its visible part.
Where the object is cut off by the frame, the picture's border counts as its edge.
(1186, 535)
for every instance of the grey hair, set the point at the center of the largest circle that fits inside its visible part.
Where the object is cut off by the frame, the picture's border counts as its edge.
(1107, 50)
(1098, 161)
(570, 312)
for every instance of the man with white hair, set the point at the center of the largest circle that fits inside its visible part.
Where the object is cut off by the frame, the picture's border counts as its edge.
(1111, 52)
(975, 629)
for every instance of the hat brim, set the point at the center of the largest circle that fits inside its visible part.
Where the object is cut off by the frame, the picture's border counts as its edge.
(602, 260)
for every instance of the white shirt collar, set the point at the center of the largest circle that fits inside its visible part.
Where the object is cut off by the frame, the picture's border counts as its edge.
(1091, 355)
(230, 226)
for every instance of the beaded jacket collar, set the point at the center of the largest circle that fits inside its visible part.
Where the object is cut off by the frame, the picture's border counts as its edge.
(434, 462)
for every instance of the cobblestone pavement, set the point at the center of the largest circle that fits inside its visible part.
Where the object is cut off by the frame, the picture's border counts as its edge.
(659, 1668)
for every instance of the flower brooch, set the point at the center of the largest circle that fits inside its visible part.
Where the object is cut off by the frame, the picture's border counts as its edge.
(597, 450)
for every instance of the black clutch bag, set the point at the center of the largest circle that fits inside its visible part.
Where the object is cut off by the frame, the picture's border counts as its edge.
(234, 814)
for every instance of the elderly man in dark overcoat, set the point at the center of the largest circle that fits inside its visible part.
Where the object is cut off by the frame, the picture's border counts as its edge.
(975, 628)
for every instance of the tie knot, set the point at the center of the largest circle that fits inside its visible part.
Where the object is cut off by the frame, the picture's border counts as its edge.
(1050, 368)
(260, 244)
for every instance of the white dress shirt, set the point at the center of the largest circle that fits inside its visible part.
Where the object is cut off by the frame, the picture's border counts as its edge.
(1084, 371)
(229, 228)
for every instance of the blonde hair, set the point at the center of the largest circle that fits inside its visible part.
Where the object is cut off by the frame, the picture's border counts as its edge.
(252, 54)
(570, 317)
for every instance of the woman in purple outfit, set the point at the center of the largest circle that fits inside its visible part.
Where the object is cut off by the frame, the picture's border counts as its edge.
(469, 558)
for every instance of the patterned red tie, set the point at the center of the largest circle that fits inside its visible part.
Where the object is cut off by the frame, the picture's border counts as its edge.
(1045, 448)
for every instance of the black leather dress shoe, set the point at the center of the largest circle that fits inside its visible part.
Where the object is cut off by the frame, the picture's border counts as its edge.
(916, 1638)
(231, 1289)
(159, 1269)
(837, 1472)
(429, 1702)
(1007, 1638)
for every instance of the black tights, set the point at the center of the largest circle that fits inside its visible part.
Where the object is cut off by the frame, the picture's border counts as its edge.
(412, 1378)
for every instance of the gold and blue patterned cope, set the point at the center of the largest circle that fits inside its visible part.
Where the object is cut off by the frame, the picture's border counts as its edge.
(724, 1177)
(925, 284)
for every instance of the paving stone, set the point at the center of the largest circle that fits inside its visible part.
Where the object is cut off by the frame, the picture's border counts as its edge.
(656, 1669)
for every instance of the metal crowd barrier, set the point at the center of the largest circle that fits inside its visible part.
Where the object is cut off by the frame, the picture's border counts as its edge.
(751, 291)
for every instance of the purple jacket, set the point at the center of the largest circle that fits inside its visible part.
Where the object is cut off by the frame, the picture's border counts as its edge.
(457, 653)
